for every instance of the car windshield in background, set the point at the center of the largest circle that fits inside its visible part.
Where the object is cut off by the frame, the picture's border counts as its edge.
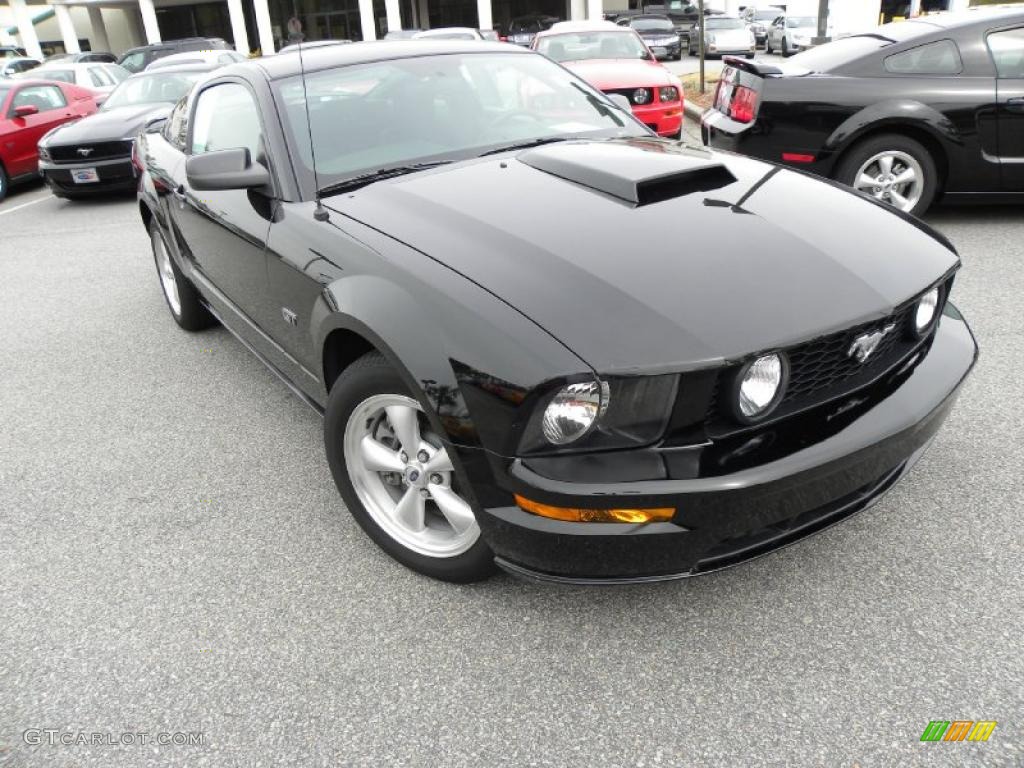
(152, 89)
(653, 25)
(725, 24)
(580, 46)
(61, 75)
(794, 22)
(766, 15)
(428, 109)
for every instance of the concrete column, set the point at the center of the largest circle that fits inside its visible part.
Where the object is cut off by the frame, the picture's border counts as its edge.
(577, 10)
(238, 26)
(67, 28)
(149, 22)
(394, 14)
(98, 39)
(915, 8)
(366, 19)
(29, 40)
(424, 13)
(595, 10)
(263, 26)
(959, 5)
(485, 20)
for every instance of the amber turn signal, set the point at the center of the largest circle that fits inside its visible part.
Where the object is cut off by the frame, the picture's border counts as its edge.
(577, 515)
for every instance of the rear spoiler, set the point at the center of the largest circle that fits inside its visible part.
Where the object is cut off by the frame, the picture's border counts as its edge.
(752, 66)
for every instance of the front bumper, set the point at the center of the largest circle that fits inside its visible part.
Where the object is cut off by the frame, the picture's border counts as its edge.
(665, 119)
(673, 50)
(117, 174)
(727, 519)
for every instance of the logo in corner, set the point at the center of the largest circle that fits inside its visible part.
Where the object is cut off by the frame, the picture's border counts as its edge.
(85, 151)
(958, 730)
(864, 346)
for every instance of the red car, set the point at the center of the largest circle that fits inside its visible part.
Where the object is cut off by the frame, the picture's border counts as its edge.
(28, 109)
(615, 59)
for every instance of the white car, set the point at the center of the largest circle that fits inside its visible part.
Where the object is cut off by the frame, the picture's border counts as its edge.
(449, 33)
(96, 77)
(791, 34)
(217, 58)
(722, 35)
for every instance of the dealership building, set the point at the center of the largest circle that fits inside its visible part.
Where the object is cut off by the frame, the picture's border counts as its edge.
(266, 25)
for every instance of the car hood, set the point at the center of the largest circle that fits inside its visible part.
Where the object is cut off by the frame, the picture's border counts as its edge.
(108, 125)
(621, 73)
(734, 257)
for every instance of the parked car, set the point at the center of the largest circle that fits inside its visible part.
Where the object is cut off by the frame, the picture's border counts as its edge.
(401, 34)
(85, 57)
(909, 113)
(792, 34)
(100, 78)
(684, 16)
(616, 61)
(759, 20)
(94, 155)
(28, 109)
(217, 58)
(449, 33)
(656, 31)
(137, 59)
(17, 65)
(12, 51)
(311, 44)
(522, 29)
(513, 364)
(722, 35)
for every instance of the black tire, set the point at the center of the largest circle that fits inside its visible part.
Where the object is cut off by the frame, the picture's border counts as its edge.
(767, 46)
(192, 315)
(373, 375)
(859, 154)
(785, 48)
(750, 55)
(5, 182)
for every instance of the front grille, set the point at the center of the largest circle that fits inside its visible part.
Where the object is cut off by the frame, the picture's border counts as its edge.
(103, 150)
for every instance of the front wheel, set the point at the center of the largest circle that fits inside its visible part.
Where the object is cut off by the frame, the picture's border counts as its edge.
(396, 477)
(785, 48)
(4, 183)
(893, 169)
(182, 297)
(768, 45)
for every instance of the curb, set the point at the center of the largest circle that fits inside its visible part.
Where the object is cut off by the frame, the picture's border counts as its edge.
(693, 112)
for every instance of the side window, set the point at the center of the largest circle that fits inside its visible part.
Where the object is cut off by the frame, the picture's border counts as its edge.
(134, 62)
(1007, 49)
(42, 97)
(939, 58)
(99, 77)
(226, 117)
(176, 127)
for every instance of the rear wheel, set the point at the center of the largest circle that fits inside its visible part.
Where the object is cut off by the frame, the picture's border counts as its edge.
(396, 476)
(893, 169)
(767, 45)
(785, 47)
(4, 183)
(181, 296)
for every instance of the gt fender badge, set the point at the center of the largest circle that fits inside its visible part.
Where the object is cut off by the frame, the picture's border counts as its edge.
(865, 345)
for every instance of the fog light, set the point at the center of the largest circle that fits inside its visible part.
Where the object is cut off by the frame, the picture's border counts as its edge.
(760, 386)
(926, 309)
(581, 515)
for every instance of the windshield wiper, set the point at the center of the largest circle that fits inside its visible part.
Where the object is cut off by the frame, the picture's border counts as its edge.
(526, 144)
(355, 182)
(600, 106)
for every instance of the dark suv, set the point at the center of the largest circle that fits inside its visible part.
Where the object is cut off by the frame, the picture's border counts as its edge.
(137, 59)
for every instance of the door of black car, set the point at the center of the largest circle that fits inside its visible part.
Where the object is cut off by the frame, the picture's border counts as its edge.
(1007, 47)
(226, 231)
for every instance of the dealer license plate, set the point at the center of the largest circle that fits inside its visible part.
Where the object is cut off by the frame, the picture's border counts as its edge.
(84, 175)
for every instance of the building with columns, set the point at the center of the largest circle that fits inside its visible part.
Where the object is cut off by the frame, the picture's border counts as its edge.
(266, 25)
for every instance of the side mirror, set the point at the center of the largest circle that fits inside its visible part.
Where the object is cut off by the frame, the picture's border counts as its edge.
(659, 52)
(225, 169)
(621, 102)
(25, 110)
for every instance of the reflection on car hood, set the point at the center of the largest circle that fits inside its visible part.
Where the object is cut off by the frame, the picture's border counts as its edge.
(108, 125)
(767, 258)
(604, 74)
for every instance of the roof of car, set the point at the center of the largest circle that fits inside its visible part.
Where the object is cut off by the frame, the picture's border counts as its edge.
(979, 14)
(579, 26)
(331, 56)
(73, 65)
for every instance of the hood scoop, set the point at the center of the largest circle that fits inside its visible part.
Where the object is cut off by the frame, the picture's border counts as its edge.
(636, 171)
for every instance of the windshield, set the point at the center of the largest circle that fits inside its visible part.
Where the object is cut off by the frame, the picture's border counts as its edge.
(766, 15)
(801, 21)
(653, 25)
(725, 24)
(152, 89)
(431, 108)
(580, 46)
(62, 75)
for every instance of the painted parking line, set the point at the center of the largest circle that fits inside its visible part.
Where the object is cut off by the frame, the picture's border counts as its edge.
(24, 205)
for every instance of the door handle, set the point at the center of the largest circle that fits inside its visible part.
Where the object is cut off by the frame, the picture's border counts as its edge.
(1015, 104)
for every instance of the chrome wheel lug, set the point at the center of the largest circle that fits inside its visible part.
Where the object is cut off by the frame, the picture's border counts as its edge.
(425, 493)
(404, 457)
(423, 456)
(436, 479)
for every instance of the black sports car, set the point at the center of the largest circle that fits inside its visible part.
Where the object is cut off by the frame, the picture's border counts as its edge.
(908, 113)
(557, 398)
(94, 154)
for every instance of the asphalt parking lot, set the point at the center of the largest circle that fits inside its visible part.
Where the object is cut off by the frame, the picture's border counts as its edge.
(175, 559)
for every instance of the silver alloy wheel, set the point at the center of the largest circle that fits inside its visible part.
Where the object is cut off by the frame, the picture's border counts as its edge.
(892, 176)
(167, 279)
(403, 477)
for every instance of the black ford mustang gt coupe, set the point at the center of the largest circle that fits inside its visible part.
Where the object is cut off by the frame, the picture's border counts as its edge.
(549, 397)
(908, 113)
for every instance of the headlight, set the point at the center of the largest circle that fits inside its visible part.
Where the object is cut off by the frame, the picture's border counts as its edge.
(669, 94)
(623, 412)
(927, 308)
(760, 386)
(641, 96)
(573, 411)
(44, 154)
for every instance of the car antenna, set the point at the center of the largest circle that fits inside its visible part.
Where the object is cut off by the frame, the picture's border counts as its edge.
(319, 213)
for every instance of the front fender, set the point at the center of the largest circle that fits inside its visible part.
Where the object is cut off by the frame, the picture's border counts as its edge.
(893, 112)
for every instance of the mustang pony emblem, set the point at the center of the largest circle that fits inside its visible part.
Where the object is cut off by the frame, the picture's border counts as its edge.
(85, 151)
(865, 345)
